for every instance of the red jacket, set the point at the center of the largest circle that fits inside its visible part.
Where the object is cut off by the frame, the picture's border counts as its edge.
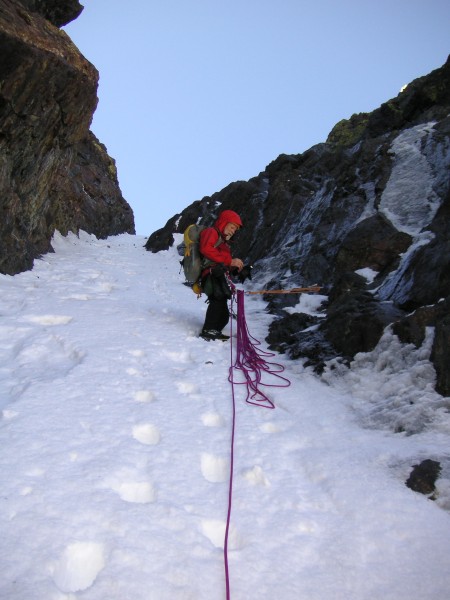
(209, 237)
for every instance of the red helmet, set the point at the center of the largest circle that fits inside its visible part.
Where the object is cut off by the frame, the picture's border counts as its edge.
(228, 216)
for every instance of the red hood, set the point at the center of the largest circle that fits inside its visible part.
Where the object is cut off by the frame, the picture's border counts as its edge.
(227, 216)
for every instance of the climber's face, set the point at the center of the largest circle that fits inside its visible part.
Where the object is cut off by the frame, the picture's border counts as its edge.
(229, 230)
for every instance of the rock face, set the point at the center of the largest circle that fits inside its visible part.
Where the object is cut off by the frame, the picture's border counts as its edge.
(54, 173)
(57, 12)
(375, 200)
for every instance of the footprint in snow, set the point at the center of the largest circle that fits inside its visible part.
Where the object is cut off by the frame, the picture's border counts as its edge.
(80, 297)
(212, 420)
(105, 287)
(131, 490)
(48, 353)
(214, 530)
(133, 372)
(178, 356)
(130, 487)
(35, 472)
(89, 275)
(187, 387)
(256, 476)
(48, 320)
(147, 434)
(214, 468)
(269, 428)
(136, 353)
(137, 492)
(144, 396)
(9, 414)
(78, 566)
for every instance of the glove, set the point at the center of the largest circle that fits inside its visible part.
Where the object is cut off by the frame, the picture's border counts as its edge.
(246, 273)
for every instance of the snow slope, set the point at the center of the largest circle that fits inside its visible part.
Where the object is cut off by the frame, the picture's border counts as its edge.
(115, 445)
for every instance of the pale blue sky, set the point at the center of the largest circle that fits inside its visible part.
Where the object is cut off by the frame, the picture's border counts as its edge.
(195, 94)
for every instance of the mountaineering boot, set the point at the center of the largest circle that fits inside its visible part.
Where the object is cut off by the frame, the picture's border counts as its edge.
(213, 334)
(222, 336)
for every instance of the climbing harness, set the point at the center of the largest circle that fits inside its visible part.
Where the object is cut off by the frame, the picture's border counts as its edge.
(249, 366)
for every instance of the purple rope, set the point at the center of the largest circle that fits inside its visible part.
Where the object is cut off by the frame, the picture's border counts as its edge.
(250, 362)
(230, 483)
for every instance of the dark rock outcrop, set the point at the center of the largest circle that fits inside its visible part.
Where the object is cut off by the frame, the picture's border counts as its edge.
(355, 318)
(373, 243)
(411, 330)
(423, 476)
(54, 173)
(440, 354)
(57, 12)
(373, 199)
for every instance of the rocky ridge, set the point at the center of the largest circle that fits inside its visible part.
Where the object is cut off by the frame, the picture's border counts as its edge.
(366, 216)
(54, 173)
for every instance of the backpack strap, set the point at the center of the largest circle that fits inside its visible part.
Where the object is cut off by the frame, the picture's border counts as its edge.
(205, 261)
(220, 239)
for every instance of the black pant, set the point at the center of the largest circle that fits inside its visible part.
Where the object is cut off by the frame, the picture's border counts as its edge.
(217, 314)
(218, 291)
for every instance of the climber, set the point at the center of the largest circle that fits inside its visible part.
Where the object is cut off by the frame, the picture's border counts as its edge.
(215, 276)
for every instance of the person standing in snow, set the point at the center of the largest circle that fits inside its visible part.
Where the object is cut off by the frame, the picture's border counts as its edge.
(217, 254)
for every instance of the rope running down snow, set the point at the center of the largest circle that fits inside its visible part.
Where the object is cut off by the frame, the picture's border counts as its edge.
(250, 362)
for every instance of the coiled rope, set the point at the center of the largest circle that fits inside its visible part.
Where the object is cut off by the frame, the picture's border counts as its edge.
(249, 367)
